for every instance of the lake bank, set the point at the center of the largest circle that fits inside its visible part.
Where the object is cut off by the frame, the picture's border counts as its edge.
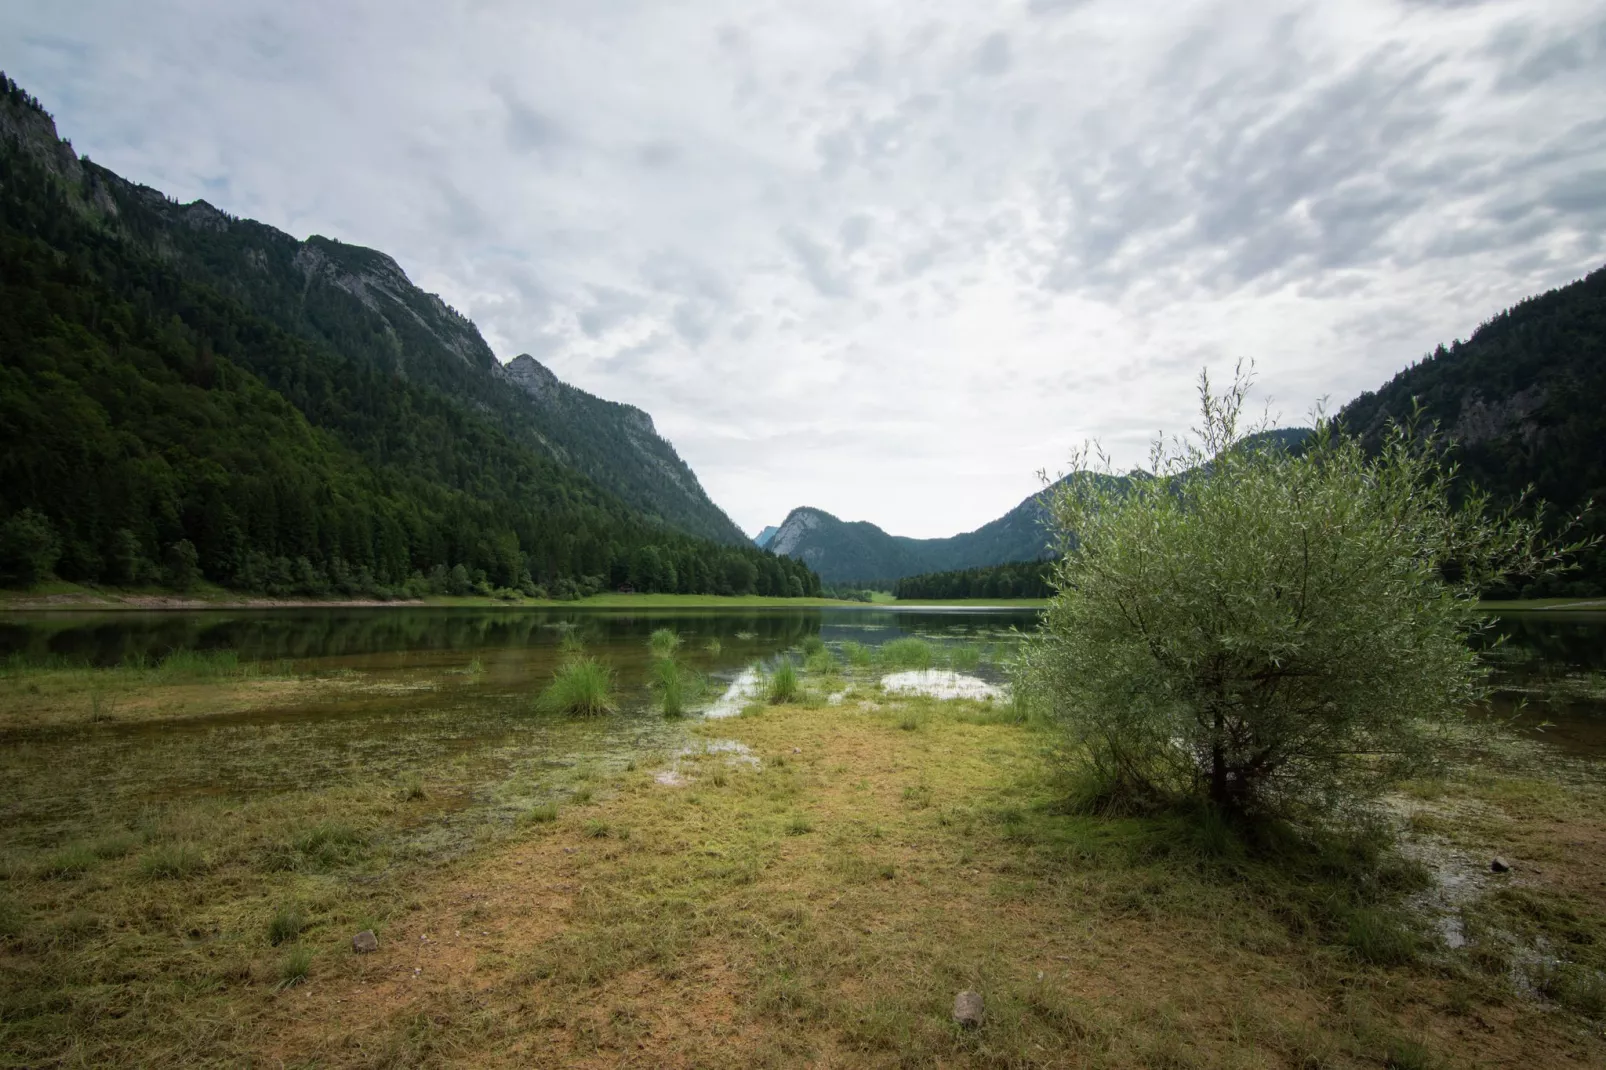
(803, 883)
(201, 810)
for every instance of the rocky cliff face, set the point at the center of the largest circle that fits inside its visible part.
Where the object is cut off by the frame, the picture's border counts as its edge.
(617, 445)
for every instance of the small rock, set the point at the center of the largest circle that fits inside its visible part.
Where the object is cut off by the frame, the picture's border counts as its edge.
(365, 942)
(967, 1009)
(1499, 865)
(797, 750)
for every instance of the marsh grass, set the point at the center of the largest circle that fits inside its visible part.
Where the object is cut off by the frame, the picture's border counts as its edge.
(411, 788)
(783, 685)
(712, 646)
(673, 685)
(857, 655)
(908, 652)
(581, 686)
(965, 657)
(663, 643)
(820, 663)
(812, 645)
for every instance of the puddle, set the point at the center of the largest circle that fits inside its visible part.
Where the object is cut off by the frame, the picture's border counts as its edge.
(940, 683)
(744, 689)
(732, 751)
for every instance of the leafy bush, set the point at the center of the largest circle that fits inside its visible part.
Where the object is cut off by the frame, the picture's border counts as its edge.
(582, 685)
(29, 548)
(1273, 632)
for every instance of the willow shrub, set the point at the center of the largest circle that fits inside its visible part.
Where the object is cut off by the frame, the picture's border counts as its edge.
(1273, 632)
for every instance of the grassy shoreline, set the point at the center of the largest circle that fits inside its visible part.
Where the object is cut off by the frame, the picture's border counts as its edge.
(808, 882)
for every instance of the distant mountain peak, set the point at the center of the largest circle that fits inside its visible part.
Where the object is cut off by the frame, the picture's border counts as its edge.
(762, 539)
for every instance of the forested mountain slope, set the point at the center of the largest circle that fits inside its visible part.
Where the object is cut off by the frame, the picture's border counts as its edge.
(842, 550)
(148, 412)
(1524, 399)
(359, 303)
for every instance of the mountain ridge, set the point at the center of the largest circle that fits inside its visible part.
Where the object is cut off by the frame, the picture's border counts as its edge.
(360, 302)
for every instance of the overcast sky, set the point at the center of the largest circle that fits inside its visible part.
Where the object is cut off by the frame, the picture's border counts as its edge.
(888, 259)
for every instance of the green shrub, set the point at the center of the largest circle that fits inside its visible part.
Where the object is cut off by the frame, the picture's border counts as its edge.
(1267, 630)
(783, 684)
(663, 643)
(812, 645)
(582, 685)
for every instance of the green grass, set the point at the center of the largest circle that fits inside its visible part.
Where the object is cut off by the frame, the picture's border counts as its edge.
(297, 964)
(582, 686)
(820, 663)
(908, 652)
(857, 654)
(171, 861)
(964, 658)
(812, 644)
(287, 924)
(663, 643)
(783, 685)
(712, 647)
(540, 814)
(668, 682)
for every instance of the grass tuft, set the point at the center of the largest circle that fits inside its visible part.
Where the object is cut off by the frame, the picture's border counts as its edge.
(907, 653)
(663, 643)
(540, 814)
(582, 686)
(286, 925)
(668, 681)
(783, 684)
(296, 966)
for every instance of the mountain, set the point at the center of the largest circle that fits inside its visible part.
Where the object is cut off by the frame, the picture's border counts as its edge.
(176, 383)
(841, 550)
(1524, 399)
(617, 447)
(763, 538)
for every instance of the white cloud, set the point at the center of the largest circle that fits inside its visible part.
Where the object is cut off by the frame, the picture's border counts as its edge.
(886, 260)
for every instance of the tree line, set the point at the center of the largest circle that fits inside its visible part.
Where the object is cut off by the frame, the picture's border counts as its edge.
(1016, 579)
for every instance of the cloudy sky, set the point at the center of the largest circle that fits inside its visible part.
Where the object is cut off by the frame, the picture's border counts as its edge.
(888, 259)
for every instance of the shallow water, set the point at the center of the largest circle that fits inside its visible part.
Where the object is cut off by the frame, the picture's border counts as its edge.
(432, 688)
